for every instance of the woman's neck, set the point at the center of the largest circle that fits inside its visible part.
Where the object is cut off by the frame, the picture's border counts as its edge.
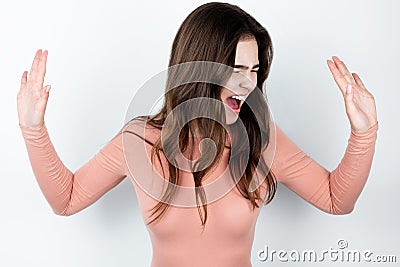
(197, 137)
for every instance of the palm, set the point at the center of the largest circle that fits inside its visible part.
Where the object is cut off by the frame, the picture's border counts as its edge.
(32, 97)
(360, 103)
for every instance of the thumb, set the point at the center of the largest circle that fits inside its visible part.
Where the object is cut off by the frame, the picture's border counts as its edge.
(47, 89)
(45, 96)
(348, 98)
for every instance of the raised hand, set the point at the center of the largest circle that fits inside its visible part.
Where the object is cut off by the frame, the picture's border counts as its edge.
(32, 96)
(359, 102)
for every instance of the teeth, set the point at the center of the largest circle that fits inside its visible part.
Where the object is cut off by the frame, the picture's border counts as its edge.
(241, 98)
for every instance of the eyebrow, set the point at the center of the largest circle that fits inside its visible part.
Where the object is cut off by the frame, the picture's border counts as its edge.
(245, 67)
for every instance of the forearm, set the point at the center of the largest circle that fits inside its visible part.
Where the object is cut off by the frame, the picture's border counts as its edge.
(348, 179)
(334, 192)
(54, 179)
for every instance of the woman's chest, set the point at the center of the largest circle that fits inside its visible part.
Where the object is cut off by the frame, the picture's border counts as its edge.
(231, 216)
(229, 213)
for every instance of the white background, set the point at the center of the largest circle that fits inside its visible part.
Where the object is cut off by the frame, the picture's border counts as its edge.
(101, 52)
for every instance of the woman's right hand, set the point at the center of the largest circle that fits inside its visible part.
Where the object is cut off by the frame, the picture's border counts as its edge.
(32, 96)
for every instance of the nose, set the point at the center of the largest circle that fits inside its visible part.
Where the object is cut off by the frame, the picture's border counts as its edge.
(248, 80)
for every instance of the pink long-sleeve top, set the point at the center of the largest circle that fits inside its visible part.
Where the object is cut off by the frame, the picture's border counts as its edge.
(178, 239)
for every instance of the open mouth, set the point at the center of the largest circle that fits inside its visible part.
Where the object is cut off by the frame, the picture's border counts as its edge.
(235, 102)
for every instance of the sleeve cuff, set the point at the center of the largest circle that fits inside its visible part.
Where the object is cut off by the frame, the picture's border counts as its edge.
(367, 136)
(36, 133)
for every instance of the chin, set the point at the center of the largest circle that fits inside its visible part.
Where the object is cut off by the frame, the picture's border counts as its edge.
(231, 121)
(231, 117)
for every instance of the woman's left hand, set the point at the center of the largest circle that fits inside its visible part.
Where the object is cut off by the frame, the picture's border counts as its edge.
(359, 102)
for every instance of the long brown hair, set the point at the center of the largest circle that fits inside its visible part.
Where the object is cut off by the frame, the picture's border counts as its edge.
(211, 33)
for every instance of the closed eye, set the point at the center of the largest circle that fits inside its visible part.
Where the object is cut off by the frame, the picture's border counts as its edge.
(237, 71)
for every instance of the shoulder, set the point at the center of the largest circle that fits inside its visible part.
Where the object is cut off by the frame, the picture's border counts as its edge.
(279, 150)
(140, 128)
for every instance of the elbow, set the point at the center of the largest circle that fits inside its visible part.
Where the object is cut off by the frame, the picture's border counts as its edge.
(344, 212)
(340, 210)
(63, 212)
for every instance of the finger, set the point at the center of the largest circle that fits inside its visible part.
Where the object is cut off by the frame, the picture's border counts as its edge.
(42, 67)
(343, 69)
(337, 76)
(23, 80)
(358, 81)
(34, 68)
(348, 99)
(47, 88)
(43, 98)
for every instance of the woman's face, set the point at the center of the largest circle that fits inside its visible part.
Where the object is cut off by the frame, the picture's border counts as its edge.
(243, 79)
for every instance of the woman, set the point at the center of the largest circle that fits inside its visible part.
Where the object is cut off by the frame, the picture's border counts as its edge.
(196, 227)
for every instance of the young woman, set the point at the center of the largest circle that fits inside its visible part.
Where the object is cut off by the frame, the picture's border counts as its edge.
(193, 221)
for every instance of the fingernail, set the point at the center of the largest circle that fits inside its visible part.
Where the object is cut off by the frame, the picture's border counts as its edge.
(348, 89)
(48, 88)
